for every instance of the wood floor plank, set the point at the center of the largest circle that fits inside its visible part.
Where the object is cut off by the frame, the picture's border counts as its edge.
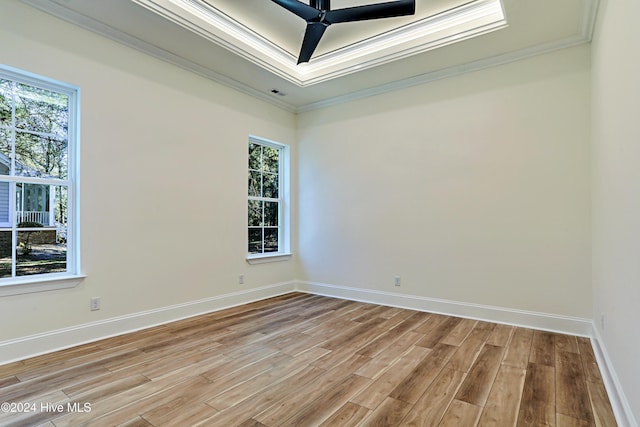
(519, 348)
(431, 323)
(437, 334)
(374, 347)
(589, 362)
(241, 390)
(466, 354)
(136, 422)
(566, 343)
(537, 406)
(389, 413)
(412, 387)
(543, 348)
(35, 415)
(6, 382)
(178, 413)
(477, 385)
(329, 402)
(268, 398)
(500, 335)
(383, 360)
(501, 408)
(602, 411)
(166, 405)
(459, 332)
(431, 406)
(572, 395)
(309, 393)
(461, 414)
(567, 421)
(349, 415)
(380, 388)
(301, 359)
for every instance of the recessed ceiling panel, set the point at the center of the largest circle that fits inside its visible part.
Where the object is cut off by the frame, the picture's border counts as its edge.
(286, 30)
(366, 45)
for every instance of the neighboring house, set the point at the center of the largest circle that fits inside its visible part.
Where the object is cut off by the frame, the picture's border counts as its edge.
(34, 202)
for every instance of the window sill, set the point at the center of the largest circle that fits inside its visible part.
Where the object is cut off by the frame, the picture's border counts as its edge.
(30, 285)
(264, 258)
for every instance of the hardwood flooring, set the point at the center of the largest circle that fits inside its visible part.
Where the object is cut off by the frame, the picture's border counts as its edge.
(308, 360)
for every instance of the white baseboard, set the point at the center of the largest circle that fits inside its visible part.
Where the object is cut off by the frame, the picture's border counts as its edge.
(619, 402)
(34, 345)
(528, 319)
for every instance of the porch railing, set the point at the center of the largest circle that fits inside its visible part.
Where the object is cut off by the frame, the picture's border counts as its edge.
(41, 217)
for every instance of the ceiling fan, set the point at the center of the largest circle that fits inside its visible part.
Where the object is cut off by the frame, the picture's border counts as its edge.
(319, 16)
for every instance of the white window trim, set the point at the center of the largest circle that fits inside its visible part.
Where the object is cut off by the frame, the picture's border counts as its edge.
(72, 277)
(284, 234)
(45, 283)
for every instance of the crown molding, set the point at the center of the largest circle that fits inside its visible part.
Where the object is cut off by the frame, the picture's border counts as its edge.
(64, 13)
(130, 41)
(448, 72)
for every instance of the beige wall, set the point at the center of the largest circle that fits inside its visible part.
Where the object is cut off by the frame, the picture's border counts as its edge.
(163, 177)
(473, 189)
(616, 189)
(476, 188)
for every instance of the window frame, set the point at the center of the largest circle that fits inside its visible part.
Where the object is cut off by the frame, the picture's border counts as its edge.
(72, 276)
(284, 251)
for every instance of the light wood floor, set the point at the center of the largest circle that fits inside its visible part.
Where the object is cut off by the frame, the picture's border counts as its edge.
(308, 360)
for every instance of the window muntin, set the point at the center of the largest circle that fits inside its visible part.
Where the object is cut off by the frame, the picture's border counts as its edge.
(38, 130)
(266, 198)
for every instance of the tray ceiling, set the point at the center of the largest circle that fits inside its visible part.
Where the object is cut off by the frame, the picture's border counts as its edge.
(252, 45)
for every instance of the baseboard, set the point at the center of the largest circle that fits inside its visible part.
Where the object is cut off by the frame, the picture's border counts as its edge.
(619, 402)
(528, 319)
(34, 345)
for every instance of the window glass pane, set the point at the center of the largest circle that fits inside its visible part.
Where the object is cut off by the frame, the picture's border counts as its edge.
(270, 160)
(255, 240)
(60, 205)
(254, 183)
(271, 240)
(255, 153)
(270, 185)
(271, 214)
(5, 103)
(4, 203)
(5, 253)
(32, 205)
(40, 156)
(5, 151)
(40, 205)
(39, 252)
(255, 213)
(40, 110)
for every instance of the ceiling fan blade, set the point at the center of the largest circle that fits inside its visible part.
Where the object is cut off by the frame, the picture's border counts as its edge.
(312, 36)
(371, 11)
(303, 10)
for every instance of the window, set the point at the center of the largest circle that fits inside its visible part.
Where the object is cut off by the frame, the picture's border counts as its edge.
(38, 134)
(267, 203)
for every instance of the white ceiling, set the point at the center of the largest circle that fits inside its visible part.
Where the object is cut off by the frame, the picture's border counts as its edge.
(252, 45)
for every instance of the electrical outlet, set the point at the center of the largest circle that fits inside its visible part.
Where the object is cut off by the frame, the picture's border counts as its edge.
(396, 281)
(241, 279)
(602, 321)
(95, 303)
